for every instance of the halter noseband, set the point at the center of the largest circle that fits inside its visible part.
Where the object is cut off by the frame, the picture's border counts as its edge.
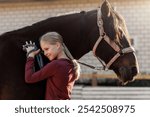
(103, 36)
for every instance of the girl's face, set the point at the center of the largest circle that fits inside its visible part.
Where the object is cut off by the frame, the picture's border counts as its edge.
(51, 51)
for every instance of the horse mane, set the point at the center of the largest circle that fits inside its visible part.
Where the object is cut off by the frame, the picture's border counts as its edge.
(121, 25)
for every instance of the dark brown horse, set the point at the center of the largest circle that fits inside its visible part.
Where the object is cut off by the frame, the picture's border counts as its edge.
(80, 33)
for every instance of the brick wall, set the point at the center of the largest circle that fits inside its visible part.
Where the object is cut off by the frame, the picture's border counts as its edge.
(16, 15)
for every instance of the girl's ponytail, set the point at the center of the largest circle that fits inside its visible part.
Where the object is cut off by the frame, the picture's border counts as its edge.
(75, 63)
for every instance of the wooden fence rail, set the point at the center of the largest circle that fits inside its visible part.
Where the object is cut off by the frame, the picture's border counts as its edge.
(96, 75)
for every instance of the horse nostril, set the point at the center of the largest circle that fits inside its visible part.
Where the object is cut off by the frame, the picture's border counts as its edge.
(134, 71)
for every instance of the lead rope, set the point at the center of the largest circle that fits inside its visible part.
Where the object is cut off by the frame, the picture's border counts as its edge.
(39, 59)
(82, 63)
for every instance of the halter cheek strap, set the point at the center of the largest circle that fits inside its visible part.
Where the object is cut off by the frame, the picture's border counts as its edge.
(114, 46)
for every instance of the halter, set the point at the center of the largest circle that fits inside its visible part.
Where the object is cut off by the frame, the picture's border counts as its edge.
(103, 36)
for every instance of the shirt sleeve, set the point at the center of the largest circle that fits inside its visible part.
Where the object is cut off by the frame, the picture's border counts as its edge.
(32, 77)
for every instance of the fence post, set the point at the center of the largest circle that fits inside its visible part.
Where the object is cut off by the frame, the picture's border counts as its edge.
(94, 79)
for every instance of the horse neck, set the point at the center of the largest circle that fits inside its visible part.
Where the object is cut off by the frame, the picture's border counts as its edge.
(84, 33)
(92, 28)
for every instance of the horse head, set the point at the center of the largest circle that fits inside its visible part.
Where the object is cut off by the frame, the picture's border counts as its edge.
(113, 46)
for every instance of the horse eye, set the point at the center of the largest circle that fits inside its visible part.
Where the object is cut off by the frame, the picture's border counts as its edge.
(121, 53)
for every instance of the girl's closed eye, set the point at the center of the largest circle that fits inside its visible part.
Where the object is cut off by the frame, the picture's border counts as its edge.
(45, 49)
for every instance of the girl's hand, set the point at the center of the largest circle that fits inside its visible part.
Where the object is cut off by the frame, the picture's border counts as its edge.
(30, 48)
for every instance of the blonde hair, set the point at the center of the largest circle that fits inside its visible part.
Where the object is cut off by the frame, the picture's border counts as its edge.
(54, 37)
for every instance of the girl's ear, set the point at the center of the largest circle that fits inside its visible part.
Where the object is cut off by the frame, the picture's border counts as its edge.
(58, 45)
(105, 8)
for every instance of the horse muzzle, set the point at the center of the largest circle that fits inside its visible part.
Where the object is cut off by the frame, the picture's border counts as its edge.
(126, 74)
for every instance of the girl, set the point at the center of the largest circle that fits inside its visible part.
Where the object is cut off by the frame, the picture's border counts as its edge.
(60, 73)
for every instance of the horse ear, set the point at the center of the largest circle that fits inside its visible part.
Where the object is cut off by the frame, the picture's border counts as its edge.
(105, 8)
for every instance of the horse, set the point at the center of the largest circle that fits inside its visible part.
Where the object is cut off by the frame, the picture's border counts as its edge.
(81, 34)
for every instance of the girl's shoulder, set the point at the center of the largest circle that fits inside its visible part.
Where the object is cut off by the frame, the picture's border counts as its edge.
(61, 62)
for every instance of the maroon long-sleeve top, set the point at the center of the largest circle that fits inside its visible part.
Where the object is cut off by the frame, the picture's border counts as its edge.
(59, 75)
